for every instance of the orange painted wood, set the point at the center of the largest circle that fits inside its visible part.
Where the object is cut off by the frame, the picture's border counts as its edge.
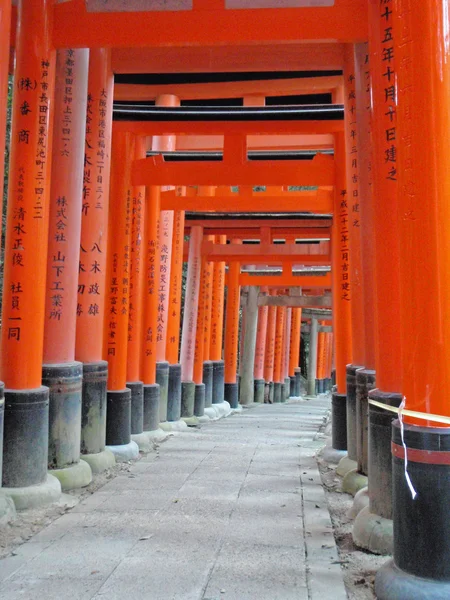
(259, 142)
(151, 284)
(5, 31)
(261, 337)
(115, 341)
(136, 276)
(342, 321)
(270, 343)
(353, 199)
(294, 353)
(217, 306)
(305, 281)
(66, 200)
(25, 267)
(263, 253)
(176, 280)
(94, 216)
(385, 186)
(345, 21)
(279, 337)
(200, 331)
(232, 311)
(423, 60)
(319, 202)
(229, 89)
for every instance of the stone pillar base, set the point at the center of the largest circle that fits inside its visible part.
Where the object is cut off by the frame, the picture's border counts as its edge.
(101, 461)
(7, 510)
(360, 501)
(353, 482)
(137, 407)
(208, 375)
(345, 466)
(282, 392)
(143, 441)
(339, 421)
(287, 388)
(199, 400)
(218, 393)
(35, 496)
(76, 476)
(298, 382)
(187, 399)
(151, 407)
(174, 425)
(118, 417)
(373, 533)
(125, 452)
(391, 583)
(93, 408)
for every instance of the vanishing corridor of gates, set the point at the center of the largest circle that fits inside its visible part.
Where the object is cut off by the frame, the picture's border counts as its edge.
(201, 196)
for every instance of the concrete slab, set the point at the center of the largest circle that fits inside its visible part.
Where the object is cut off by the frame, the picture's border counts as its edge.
(234, 510)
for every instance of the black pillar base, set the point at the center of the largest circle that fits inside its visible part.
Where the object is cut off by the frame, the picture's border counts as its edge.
(271, 392)
(321, 386)
(162, 379)
(199, 400)
(232, 394)
(277, 392)
(298, 382)
(328, 384)
(380, 456)
(118, 417)
(174, 394)
(151, 407)
(93, 407)
(259, 385)
(365, 381)
(208, 375)
(218, 393)
(292, 386)
(64, 382)
(333, 377)
(351, 410)
(187, 399)
(137, 406)
(421, 563)
(25, 441)
(339, 421)
(282, 392)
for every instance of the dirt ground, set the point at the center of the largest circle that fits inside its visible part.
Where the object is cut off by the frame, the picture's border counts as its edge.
(358, 566)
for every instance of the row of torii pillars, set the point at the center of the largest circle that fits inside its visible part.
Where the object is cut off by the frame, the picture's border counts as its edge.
(407, 264)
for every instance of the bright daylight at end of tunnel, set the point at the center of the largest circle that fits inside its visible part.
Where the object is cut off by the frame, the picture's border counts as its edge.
(225, 308)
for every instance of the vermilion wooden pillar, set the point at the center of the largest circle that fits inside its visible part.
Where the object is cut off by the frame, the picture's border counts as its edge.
(174, 315)
(199, 366)
(232, 334)
(341, 290)
(388, 355)
(190, 323)
(260, 351)
(320, 361)
(165, 143)
(270, 352)
(150, 310)
(92, 260)
(278, 357)
(294, 352)
(5, 30)
(286, 349)
(217, 314)
(421, 148)
(354, 201)
(205, 329)
(23, 309)
(61, 373)
(115, 345)
(135, 304)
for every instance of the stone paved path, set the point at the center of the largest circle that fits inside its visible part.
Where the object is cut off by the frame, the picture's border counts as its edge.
(233, 511)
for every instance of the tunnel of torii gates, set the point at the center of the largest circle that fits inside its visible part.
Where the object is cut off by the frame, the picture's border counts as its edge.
(296, 159)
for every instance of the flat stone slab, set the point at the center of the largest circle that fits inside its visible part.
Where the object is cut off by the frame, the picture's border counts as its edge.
(233, 510)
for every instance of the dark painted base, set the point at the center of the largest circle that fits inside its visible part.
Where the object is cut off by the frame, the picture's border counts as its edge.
(137, 406)
(287, 388)
(174, 393)
(25, 442)
(162, 379)
(64, 382)
(151, 407)
(93, 407)
(365, 382)
(232, 394)
(422, 523)
(277, 392)
(208, 381)
(391, 583)
(187, 399)
(339, 421)
(118, 417)
(291, 386)
(259, 385)
(266, 393)
(298, 382)
(199, 400)
(380, 465)
(271, 392)
(218, 395)
(333, 377)
(351, 410)
(321, 386)
(327, 384)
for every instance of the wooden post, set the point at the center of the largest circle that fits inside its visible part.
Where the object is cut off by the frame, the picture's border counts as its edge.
(232, 334)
